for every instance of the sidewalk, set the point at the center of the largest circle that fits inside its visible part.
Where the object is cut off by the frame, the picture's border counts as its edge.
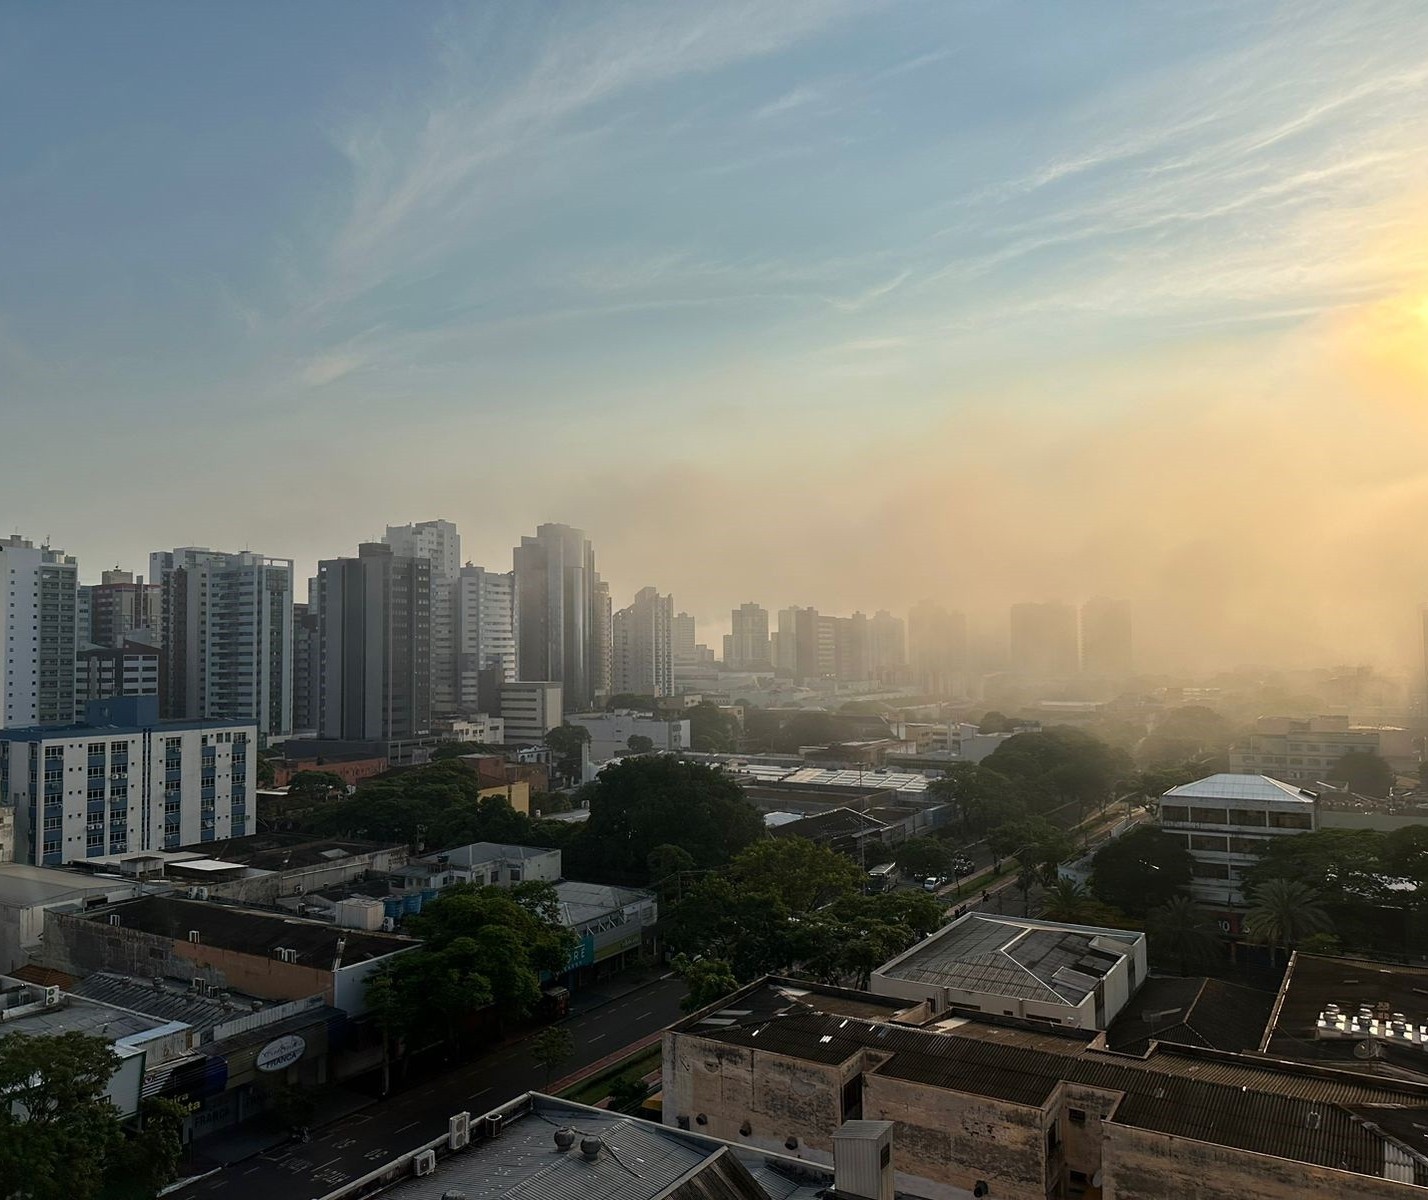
(263, 1132)
(627, 982)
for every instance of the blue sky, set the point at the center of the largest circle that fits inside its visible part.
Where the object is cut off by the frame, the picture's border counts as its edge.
(278, 274)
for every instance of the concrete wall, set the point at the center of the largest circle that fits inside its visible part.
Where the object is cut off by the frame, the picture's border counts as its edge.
(1331, 818)
(1143, 1165)
(955, 1140)
(266, 888)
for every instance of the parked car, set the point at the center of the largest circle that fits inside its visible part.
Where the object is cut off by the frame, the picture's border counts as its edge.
(933, 882)
(962, 866)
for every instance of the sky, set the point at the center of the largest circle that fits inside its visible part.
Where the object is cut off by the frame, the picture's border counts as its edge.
(816, 302)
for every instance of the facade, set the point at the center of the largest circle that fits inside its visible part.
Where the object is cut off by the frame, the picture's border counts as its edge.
(226, 631)
(643, 648)
(784, 650)
(120, 606)
(1304, 751)
(989, 1106)
(610, 733)
(814, 645)
(889, 646)
(307, 667)
(494, 864)
(485, 613)
(746, 648)
(1075, 975)
(374, 623)
(852, 648)
(602, 650)
(1226, 820)
(937, 649)
(101, 672)
(1106, 638)
(556, 588)
(608, 922)
(124, 781)
(27, 892)
(1043, 640)
(684, 636)
(531, 709)
(38, 634)
(440, 544)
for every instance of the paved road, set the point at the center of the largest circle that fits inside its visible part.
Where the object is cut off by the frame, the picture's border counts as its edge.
(360, 1143)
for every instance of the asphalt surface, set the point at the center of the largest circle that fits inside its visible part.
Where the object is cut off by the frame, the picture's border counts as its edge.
(355, 1145)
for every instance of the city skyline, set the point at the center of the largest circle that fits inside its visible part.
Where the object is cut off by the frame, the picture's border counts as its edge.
(1020, 305)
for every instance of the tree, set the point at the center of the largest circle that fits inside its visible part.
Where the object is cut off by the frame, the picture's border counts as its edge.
(639, 744)
(626, 1095)
(567, 742)
(60, 1136)
(1071, 902)
(1183, 734)
(551, 1048)
(665, 866)
(1059, 765)
(996, 722)
(921, 857)
(267, 770)
(801, 875)
(1340, 866)
(316, 785)
(981, 797)
(711, 729)
(708, 979)
(1141, 870)
(1283, 913)
(1365, 772)
(640, 803)
(1179, 933)
(806, 729)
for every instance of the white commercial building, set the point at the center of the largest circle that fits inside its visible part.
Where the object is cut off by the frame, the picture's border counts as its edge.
(531, 709)
(440, 544)
(227, 636)
(1076, 975)
(124, 781)
(1226, 821)
(38, 597)
(101, 672)
(644, 649)
(610, 733)
(485, 614)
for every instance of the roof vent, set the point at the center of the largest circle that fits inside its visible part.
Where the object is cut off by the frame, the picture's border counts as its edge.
(564, 1139)
(590, 1148)
(193, 936)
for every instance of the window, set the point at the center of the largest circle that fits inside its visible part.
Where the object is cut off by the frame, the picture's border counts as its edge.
(1209, 816)
(1174, 812)
(1209, 841)
(1077, 1116)
(1251, 817)
(1291, 821)
(1210, 871)
(1247, 845)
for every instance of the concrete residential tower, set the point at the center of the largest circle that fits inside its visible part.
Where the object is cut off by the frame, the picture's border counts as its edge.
(38, 597)
(556, 599)
(643, 654)
(485, 611)
(439, 543)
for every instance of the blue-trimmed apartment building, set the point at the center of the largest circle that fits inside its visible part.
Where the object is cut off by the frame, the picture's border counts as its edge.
(123, 781)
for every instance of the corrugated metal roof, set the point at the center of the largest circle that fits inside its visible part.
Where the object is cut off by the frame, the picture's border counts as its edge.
(1228, 786)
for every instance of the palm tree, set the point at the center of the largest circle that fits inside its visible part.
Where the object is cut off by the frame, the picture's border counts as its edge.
(1284, 913)
(1070, 902)
(1179, 931)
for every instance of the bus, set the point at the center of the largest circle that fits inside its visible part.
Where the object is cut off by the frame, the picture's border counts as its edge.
(883, 878)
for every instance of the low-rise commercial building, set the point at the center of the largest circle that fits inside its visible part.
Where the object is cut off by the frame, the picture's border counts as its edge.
(27, 892)
(610, 923)
(1226, 821)
(220, 946)
(990, 1106)
(1075, 975)
(124, 781)
(1305, 751)
(610, 733)
(530, 709)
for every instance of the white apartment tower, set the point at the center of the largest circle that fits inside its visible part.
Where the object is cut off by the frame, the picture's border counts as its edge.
(226, 630)
(747, 646)
(643, 652)
(485, 613)
(439, 543)
(39, 591)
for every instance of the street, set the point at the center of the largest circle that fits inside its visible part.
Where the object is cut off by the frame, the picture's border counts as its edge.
(355, 1145)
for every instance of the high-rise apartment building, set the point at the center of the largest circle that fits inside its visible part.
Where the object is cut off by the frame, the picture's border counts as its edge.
(226, 631)
(746, 648)
(852, 648)
(784, 650)
(815, 651)
(440, 544)
(485, 611)
(889, 645)
(123, 782)
(103, 672)
(602, 643)
(1106, 638)
(38, 633)
(307, 664)
(684, 635)
(643, 652)
(1043, 640)
(374, 631)
(556, 590)
(121, 605)
(937, 649)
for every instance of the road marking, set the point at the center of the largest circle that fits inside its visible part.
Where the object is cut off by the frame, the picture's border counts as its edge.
(596, 1038)
(404, 1128)
(329, 1163)
(250, 1170)
(478, 1095)
(642, 1016)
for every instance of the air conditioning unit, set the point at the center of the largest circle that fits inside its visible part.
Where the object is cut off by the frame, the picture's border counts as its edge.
(425, 1162)
(114, 919)
(459, 1131)
(198, 893)
(491, 1124)
(52, 997)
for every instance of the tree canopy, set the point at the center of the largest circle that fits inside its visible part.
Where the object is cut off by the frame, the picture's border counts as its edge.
(1188, 733)
(60, 1136)
(1366, 774)
(1058, 766)
(639, 744)
(981, 797)
(1141, 870)
(922, 857)
(711, 730)
(638, 804)
(566, 742)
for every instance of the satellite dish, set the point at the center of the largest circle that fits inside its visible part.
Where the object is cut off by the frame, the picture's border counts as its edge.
(1096, 1180)
(1367, 1048)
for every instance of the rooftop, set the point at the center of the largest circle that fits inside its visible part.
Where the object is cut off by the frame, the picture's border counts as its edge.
(584, 902)
(73, 1014)
(635, 1160)
(166, 1001)
(22, 885)
(1227, 786)
(1286, 1110)
(1193, 1011)
(283, 851)
(249, 931)
(1033, 960)
(482, 852)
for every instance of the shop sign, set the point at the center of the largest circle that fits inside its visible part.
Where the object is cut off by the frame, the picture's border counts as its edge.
(281, 1053)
